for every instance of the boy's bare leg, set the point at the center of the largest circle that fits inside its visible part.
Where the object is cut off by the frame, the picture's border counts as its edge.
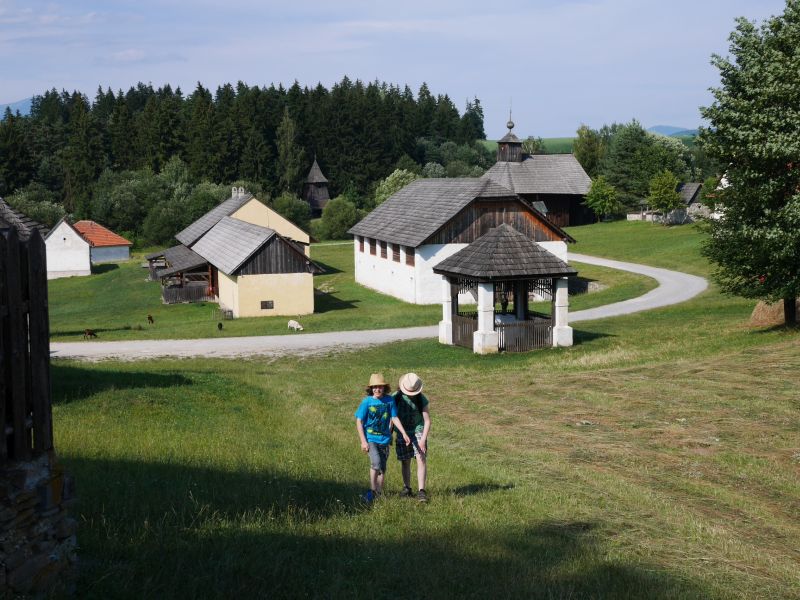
(379, 482)
(405, 466)
(422, 470)
(373, 480)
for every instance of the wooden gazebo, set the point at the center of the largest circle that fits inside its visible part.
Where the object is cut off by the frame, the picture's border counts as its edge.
(503, 270)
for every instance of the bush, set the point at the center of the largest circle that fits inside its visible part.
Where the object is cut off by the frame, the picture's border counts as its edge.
(338, 216)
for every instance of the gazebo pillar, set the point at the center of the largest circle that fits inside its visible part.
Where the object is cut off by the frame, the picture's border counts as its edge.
(485, 340)
(446, 324)
(562, 332)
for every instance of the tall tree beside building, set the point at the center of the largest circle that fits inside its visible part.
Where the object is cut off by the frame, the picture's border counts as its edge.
(82, 158)
(291, 156)
(754, 129)
(589, 149)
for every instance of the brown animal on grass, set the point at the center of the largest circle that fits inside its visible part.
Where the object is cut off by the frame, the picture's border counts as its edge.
(219, 326)
(89, 333)
(150, 320)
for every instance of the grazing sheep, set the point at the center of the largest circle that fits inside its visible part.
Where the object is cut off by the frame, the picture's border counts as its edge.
(89, 333)
(295, 325)
(150, 320)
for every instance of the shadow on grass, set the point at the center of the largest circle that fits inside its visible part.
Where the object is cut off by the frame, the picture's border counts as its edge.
(480, 488)
(329, 270)
(580, 336)
(72, 383)
(104, 268)
(177, 531)
(329, 302)
(97, 330)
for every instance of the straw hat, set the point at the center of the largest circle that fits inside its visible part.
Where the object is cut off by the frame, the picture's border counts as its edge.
(376, 379)
(410, 384)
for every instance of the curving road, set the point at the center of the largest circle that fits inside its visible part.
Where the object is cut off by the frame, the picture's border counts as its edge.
(673, 288)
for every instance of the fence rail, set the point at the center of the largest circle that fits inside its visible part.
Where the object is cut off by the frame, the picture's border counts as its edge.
(522, 336)
(25, 410)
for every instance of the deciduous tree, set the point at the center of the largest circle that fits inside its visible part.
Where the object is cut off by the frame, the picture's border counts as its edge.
(755, 130)
(602, 198)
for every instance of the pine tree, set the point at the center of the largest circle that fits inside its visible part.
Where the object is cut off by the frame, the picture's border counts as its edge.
(290, 155)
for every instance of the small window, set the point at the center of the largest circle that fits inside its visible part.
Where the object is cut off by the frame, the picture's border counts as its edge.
(383, 249)
(396, 252)
(373, 247)
(360, 244)
(409, 256)
(267, 304)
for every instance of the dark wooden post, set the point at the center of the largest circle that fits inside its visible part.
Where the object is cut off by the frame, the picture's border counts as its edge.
(39, 343)
(4, 314)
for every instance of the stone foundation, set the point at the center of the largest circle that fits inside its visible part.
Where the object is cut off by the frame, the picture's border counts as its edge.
(37, 538)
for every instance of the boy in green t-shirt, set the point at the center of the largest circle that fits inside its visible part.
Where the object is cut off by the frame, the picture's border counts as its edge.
(412, 410)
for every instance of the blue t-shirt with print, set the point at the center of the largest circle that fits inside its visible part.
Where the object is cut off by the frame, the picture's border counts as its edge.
(376, 415)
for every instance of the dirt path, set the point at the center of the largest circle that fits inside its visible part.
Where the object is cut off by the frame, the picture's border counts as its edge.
(674, 287)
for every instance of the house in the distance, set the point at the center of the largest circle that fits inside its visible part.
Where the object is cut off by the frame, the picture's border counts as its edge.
(397, 245)
(106, 246)
(243, 255)
(68, 252)
(557, 180)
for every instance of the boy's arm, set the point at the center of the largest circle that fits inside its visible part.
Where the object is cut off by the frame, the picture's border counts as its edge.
(361, 436)
(399, 426)
(426, 419)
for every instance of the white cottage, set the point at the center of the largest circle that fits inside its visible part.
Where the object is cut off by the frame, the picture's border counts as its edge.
(68, 252)
(398, 244)
(106, 246)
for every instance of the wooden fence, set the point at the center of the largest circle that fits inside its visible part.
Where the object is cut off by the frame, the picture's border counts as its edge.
(25, 410)
(463, 328)
(189, 293)
(522, 336)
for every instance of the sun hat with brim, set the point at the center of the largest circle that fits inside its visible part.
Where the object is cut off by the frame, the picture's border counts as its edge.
(376, 379)
(410, 384)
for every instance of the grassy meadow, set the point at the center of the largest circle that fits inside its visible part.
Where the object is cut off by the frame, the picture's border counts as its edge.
(117, 298)
(659, 457)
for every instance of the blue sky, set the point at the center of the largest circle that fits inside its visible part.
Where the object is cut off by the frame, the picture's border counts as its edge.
(559, 64)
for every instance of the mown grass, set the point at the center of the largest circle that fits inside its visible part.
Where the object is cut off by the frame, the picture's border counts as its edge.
(116, 300)
(658, 457)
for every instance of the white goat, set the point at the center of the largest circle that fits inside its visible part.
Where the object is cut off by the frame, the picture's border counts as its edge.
(295, 325)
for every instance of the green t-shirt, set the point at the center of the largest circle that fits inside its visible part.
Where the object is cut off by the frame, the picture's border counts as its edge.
(408, 413)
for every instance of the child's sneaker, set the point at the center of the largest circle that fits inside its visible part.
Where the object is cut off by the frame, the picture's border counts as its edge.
(422, 496)
(368, 496)
(406, 493)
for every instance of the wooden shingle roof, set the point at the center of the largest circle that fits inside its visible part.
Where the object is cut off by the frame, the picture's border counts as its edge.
(179, 259)
(690, 192)
(420, 209)
(503, 253)
(99, 236)
(196, 230)
(22, 223)
(230, 242)
(542, 174)
(315, 174)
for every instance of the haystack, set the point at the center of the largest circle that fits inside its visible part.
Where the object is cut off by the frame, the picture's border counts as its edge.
(769, 314)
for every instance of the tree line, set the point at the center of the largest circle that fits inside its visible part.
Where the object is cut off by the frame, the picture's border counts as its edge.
(71, 154)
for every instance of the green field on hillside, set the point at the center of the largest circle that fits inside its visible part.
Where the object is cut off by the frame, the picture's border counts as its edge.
(656, 458)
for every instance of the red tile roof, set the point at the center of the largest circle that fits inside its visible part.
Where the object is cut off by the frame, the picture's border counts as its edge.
(97, 235)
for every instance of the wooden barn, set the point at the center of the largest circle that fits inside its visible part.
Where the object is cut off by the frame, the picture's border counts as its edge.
(556, 180)
(398, 244)
(243, 255)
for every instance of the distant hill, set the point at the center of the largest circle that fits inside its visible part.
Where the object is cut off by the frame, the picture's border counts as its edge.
(23, 106)
(671, 130)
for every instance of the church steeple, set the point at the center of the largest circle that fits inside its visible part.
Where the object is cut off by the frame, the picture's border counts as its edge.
(509, 149)
(315, 189)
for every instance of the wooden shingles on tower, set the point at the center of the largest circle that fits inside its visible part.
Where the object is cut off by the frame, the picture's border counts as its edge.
(315, 190)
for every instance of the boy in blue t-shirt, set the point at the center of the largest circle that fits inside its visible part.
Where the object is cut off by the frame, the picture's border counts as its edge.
(374, 418)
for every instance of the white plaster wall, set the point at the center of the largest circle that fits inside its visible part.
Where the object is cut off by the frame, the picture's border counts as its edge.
(428, 283)
(557, 248)
(383, 274)
(67, 253)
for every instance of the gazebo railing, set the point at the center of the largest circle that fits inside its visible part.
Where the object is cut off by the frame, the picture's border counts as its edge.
(521, 336)
(463, 328)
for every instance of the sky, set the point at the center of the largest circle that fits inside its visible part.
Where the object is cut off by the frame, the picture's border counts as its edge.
(554, 64)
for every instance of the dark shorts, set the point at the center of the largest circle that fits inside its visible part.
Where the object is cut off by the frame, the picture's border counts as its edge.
(404, 452)
(378, 455)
